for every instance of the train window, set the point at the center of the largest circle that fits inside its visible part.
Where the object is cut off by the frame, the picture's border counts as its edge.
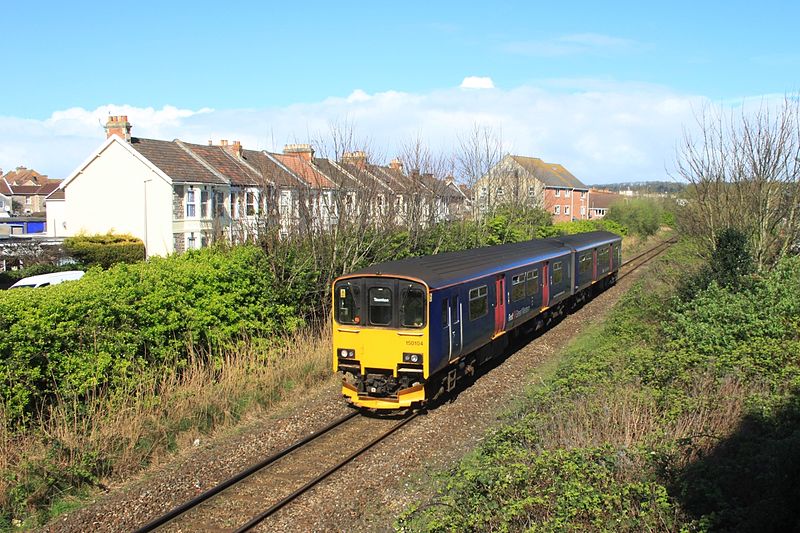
(412, 307)
(478, 302)
(532, 282)
(380, 306)
(585, 263)
(603, 257)
(347, 308)
(517, 287)
(558, 274)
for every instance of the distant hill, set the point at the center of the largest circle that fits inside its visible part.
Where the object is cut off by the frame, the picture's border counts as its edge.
(669, 187)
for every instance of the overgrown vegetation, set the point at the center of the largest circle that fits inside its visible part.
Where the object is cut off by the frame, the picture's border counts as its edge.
(672, 416)
(105, 250)
(180, 345)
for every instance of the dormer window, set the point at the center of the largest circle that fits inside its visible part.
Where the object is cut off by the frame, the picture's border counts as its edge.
(558, 193)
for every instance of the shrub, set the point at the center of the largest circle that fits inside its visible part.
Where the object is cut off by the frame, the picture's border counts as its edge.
(105, 250)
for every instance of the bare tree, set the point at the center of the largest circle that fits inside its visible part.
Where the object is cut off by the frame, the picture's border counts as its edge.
(478, 152)
(743, 171)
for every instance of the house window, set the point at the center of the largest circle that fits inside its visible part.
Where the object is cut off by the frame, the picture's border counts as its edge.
(531, 191)
(191, 242)
(558, 193)
(190, 205)
(518, 287)
(483, 192)
(478, 302)
(567, 193)
(532, 282)
(204, 241)
(557, 210)
(500, 191)
(251, 204)
(583, 210)
(204, 204)
(558, 274)
(566, 210)
(583, 194)
(28, 200)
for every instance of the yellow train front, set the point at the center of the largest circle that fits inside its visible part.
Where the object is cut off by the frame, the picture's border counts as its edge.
(403, 331)
(380, 339)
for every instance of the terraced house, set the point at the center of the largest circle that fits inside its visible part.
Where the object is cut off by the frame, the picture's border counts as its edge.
(528, 181)
(176, 195)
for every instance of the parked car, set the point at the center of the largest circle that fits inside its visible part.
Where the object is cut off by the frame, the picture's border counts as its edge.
(44, 280)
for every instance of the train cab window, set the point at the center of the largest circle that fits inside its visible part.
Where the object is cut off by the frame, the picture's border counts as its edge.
(478, 302)
(347, 308)
(380, 306)
(412, 307)
(585, 263)
(517, 287)
(532, 282)
(558, 273)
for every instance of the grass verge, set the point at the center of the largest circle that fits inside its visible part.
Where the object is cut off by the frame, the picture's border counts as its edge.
(90, 441)
(670, 416)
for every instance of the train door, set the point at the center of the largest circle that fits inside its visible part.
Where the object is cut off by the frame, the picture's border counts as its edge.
(594, 264)
(452, 327)
(500, 305)
(546, 285)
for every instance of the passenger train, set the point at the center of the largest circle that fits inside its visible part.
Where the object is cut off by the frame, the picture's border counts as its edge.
(404, 331)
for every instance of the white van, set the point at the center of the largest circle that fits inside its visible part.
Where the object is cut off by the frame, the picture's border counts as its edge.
(43, 280)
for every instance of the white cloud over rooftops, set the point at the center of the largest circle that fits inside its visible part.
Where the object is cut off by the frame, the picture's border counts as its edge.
(604, 132)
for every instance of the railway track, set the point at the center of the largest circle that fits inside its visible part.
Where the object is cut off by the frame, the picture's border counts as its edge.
(273, 483)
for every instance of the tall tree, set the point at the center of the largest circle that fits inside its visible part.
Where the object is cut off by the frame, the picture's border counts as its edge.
(743, 171)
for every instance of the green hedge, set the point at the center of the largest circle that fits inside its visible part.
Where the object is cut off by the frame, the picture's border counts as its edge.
(105, 250)
(111, 327)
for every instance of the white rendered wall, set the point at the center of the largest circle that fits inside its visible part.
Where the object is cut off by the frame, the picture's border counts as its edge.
(118, 193)
(56, 218)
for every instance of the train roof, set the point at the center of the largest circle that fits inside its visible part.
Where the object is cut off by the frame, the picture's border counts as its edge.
(582, 241)
(445, 269)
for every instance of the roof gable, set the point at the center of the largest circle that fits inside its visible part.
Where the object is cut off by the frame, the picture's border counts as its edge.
(550, 174)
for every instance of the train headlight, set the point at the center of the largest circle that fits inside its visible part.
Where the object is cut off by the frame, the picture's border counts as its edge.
(346, 353)
(412, 358)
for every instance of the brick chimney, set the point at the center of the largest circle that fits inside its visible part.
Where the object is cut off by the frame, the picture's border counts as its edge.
(119, 126)
(396, 164)
(357, 159)
(303, 150)
(235, 149)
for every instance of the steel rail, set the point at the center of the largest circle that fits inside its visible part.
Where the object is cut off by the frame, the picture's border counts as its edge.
(665, 244)
(277, 506)
(194, 502)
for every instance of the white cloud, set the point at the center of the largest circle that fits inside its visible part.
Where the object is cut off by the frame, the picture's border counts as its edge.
(477, 82)
(599, 130)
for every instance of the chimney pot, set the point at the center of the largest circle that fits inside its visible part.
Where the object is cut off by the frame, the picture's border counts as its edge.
(303, 150)
(396, 164)
(119, 126)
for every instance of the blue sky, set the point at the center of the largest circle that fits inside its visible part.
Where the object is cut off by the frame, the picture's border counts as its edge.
(196, 70)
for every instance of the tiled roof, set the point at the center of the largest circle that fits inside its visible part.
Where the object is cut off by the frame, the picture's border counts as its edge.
(175, 162)
(226, 164)
(270, 169)
(303, 169)
(26, 189)
(602, 199)
(23, 175)
(49, 187)
(57, 194)
(338, 174)
(551, 174)
(4, 188)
